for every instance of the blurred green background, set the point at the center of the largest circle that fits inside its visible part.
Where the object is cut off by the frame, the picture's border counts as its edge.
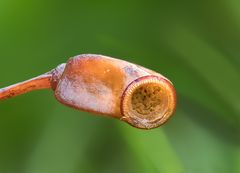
(196, 44)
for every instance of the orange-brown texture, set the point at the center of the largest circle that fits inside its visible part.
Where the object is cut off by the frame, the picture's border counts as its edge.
(107, 86)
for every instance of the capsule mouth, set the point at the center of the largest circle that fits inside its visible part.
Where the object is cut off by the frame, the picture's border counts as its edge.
(148, 102)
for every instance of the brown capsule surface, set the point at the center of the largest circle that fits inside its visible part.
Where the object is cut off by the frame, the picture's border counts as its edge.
(116, 88)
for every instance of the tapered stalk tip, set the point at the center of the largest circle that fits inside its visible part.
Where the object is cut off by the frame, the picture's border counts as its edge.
(40, 82)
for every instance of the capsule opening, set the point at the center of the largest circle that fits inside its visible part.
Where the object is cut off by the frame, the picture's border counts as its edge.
(148, 102)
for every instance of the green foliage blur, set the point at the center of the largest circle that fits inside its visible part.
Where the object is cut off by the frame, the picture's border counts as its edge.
(196, 44)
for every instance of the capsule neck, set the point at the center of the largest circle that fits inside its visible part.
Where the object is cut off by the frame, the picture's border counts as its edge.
(56, 75)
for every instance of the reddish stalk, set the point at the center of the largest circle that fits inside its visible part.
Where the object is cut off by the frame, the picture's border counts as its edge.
(37, 83)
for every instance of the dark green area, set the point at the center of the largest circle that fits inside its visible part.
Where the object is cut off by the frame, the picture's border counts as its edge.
(196, 44)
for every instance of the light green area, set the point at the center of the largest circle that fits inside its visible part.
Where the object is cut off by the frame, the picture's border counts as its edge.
(196, 44)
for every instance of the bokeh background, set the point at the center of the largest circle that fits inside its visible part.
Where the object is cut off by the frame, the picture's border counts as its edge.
(196, 44)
